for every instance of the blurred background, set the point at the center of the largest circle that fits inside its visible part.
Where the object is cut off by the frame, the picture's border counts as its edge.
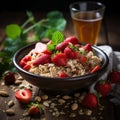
(112, 6)
(14, 11)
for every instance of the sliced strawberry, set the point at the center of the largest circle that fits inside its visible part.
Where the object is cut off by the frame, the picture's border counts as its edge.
(23, 95)
(114, 77)
(27, 67)
(80, 57)
(69, 53)
(47, 52)
(96, 68)
(24, 60)
(59, 59)
(62, 75)
(90, 101)
(61, 46)
(43, 59)
(103, 87)
(71, 39)
(27, 58)
(22, 63)
(40, 47)
(87, 47)
(83, 59)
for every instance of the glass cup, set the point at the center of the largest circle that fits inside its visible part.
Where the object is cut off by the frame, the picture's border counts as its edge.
(87, 18)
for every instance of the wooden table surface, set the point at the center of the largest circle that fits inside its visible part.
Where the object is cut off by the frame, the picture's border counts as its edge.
(109, 34)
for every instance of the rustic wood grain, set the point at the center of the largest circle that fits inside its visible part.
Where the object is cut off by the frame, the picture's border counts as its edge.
(109, 34)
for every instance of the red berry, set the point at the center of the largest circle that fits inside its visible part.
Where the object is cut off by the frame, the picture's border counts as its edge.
(87, 47)
(23, 95)
(59, 59)
(90, 101)
(103, 87)
(9, 77)
(96, 68)
(114, 77)
(69, 53)
(71, 39)
(62, 75)
(33, 110)
(61, 46)
(43, 59)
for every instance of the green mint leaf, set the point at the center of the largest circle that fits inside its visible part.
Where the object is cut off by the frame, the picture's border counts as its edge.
(30, 17)
(29, 14)
(54, 15)
(60, 24)
(49, 33)
(51, 47)
(13, 30)
(57, 37)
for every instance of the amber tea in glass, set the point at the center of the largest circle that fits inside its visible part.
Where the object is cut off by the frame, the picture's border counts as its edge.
(87, 18)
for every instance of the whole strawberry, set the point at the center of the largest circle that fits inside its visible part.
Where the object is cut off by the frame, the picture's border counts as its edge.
(9, 77)
(90, 101)
(103, 87)
(114, 77)
(35, 108)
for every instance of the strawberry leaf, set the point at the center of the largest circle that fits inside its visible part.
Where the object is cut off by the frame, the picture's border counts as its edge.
(57, 38)
(13, 30)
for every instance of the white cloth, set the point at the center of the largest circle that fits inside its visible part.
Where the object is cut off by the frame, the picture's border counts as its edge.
(114, 64)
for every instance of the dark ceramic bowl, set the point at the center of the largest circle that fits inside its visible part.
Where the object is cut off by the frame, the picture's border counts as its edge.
(71, 83)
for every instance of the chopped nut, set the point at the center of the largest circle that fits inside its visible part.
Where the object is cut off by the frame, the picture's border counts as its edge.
(81, 112)
(4, 93)
(72, 115)
(88, 112)
(77, 94)
(46, 104)
(18, 82)
(10, 112)
(74, 106)
(10, 103)
(66, 97)
(61, 101)
(44, 97)
(38, 98)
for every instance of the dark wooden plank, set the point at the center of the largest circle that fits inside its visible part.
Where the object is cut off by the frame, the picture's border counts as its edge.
(20, 109)
(110, 112)
(103, 112)
(114, 31)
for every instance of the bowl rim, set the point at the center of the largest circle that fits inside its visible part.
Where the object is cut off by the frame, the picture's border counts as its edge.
(67, 78)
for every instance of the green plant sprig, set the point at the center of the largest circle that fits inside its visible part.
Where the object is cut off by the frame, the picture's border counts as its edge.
(17, 35)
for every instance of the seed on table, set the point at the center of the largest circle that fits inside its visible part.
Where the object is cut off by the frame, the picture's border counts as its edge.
(46, 104)
(20, 78)
(77, 94)
(88, 112)
(81, 112)
(10, 103)
(44, 97)
(61, 101)
(38, 98)
(18, 82)
(72, 115)
(4, 93)
(74, 106)
(10, 111)
(66, 97)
